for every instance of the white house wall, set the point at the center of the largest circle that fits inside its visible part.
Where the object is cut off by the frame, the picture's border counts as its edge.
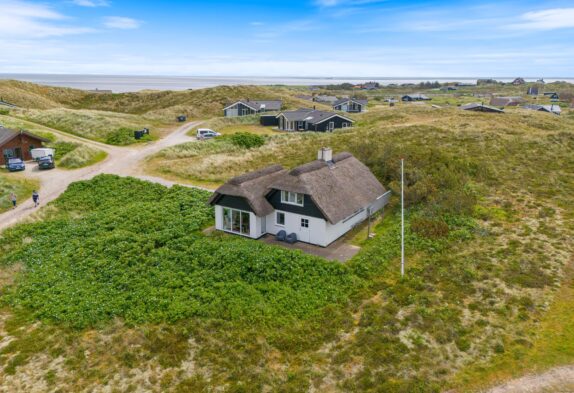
(293, 225)
(333, 232)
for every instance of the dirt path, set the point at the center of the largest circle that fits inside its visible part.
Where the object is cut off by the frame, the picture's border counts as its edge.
(556, 380)
(123, 161)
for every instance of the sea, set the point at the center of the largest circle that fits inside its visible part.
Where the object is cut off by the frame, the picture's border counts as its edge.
(123, 83)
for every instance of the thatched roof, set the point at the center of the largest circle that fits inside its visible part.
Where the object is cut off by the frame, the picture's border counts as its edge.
(252, 186)
(338, 188)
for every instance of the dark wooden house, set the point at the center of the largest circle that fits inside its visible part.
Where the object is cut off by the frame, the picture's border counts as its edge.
(248, 107)
(18, 143)
(312, 120)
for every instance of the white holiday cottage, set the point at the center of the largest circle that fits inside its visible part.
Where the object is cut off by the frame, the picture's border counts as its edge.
(318, 202)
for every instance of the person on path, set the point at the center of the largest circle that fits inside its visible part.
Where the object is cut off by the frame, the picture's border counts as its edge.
(35, 198)
(13, 200)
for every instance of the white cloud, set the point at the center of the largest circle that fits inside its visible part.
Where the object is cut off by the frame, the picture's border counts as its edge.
(256, 24)
(120, 22)
(22, 19)
(91, 3)
(550, 19)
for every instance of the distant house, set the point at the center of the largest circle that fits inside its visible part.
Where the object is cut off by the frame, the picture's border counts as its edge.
(448, 88)
(315, 203)
(553, 96)
(350, 105)
(480, 107)
(507, 101)
(248, 107)
(305, 97)
(325, 99)
(415, 97)
(518, 81)
(100, 91)
(555, 109)
(312, 120)
(18, 143)
(541, 80)
(368, 86)
(533, 91)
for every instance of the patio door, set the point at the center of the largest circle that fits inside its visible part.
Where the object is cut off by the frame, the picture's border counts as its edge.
(305, 231)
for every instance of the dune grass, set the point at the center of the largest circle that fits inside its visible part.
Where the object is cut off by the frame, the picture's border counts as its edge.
(80, 157)
(14, 183)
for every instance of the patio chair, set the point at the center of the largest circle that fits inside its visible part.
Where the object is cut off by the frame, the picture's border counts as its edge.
(281, 236)
(292, 238)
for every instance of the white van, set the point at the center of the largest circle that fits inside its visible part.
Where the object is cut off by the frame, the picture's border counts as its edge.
(42, 152)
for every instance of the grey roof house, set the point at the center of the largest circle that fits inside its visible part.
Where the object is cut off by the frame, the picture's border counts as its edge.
(507, 101)
(555, 109)
(480, 107)
(315, 203)
(351, 105)
(305, 119)
(248, 107)
(415, 97)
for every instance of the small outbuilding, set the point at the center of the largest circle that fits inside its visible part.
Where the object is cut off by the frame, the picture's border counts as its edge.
(480, 107)
(18, 144)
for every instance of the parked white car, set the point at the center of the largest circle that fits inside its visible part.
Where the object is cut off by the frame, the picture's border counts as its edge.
(206, 133)
(42, 152)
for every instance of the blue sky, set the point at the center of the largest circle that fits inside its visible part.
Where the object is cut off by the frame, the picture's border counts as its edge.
(358, 38)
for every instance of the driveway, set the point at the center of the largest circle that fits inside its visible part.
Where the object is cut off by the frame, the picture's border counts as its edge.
(123, 161)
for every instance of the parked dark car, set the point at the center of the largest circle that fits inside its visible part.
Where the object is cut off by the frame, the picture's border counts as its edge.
(15, 164)
(46, 163)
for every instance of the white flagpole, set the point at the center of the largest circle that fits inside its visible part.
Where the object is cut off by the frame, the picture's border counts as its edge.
(402, 217)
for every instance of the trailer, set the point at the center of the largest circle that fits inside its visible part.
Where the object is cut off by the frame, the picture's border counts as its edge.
(42, 152)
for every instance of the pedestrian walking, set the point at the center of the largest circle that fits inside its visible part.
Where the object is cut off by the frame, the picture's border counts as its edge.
(36, 198)
(13, 200)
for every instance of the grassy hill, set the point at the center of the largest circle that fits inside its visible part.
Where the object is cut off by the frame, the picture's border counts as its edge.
(103, 116)
(130, 302)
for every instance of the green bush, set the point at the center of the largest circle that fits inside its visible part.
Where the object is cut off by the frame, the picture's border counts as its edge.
(134, 250)
(63, 148)
(247, 140)
(121, 137)
(4, 111)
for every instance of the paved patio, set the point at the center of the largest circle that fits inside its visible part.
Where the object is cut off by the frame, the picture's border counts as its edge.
(336, 251)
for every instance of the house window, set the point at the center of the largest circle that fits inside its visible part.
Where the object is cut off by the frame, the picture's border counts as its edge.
(280, 218)
(292, 198)
(304, 223)
(236, 221)
(331, 125)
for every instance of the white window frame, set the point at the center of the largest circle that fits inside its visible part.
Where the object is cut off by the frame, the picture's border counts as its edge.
(331, 125)
(277, 221)
(240, 212)
(292, 198)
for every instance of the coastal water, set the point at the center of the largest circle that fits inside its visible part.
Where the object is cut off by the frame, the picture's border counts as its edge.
(121, 83)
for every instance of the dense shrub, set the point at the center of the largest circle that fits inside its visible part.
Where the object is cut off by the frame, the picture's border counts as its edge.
(121, 137)
(63, 148)
(120, 247)
(430, 228)
(247, 140)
